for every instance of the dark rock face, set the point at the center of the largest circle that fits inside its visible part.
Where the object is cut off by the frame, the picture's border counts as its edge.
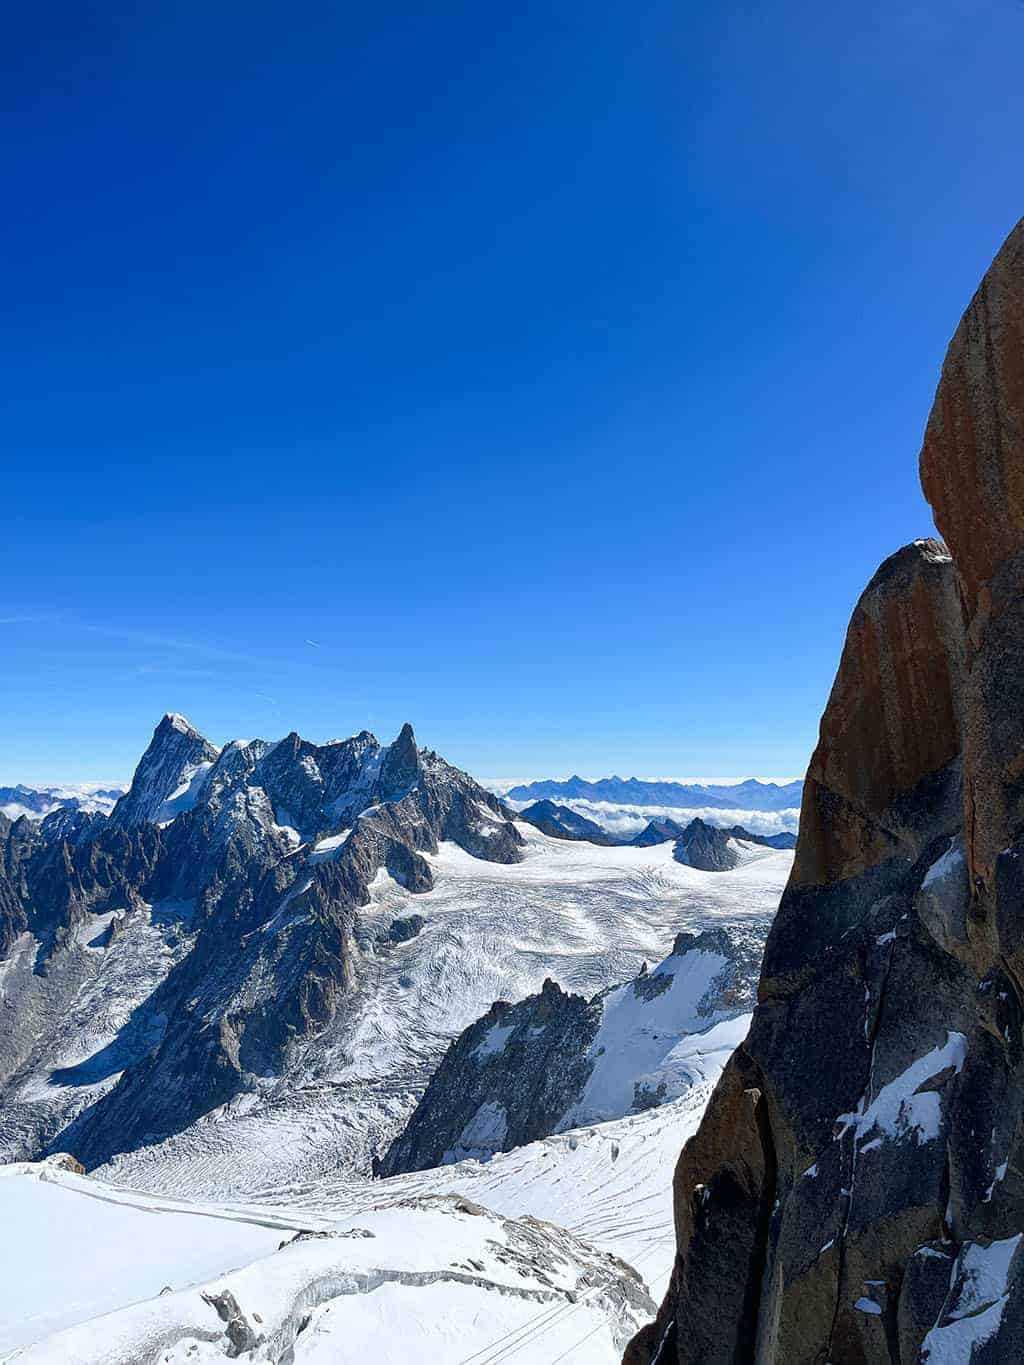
(854, 1193)
(657, 832)
(262, 855)
(505, 1081)
(705, 847)
(13, 919)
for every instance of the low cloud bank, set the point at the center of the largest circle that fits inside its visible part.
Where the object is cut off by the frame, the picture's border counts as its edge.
(627, 820)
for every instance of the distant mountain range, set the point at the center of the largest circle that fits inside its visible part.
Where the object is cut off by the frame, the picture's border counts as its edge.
(634, 791)
(711, 848)
(38, 802)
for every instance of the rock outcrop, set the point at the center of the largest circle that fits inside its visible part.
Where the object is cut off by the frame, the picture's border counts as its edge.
(562, 822)
(855, 1193)
(712, 849)
(507, 1080)
(555, 1061)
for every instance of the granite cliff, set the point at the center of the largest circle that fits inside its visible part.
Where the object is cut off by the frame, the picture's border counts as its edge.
(855, 1193)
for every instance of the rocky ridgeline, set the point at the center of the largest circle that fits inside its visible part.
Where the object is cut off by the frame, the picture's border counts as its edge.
(525, 1071)
(856, 1190)
(262, 854)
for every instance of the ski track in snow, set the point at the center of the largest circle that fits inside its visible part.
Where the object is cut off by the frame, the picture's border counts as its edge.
(609, 1183)
(113, 1275)
(83, 1249)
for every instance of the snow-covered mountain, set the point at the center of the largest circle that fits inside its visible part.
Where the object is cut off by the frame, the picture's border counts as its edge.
(234, 988)
(218, 905)
(712, 847)
(248, 972)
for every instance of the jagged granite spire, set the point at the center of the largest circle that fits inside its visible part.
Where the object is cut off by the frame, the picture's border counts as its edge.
(855, 1193)
(400, 769)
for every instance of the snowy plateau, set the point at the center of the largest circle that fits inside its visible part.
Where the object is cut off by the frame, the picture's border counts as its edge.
(229, 1210)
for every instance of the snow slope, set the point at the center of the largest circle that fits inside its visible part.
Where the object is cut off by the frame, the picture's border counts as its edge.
(438, 1277)
(609, 1183)
(74, 1250)
(84, 1263)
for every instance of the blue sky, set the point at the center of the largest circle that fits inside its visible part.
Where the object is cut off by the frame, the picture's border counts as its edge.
(550, 375)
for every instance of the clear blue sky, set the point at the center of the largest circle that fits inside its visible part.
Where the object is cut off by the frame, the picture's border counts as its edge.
(558, 369)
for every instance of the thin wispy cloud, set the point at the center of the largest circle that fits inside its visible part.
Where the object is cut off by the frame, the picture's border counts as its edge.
(147, 639)
(172, 671)
(166, 642)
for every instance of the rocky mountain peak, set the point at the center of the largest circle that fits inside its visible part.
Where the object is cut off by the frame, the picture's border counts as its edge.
(173, 759)
(172, 720)
(705, 847)
(400, 769)
(890, 721)
(561, 822)
(971, 468)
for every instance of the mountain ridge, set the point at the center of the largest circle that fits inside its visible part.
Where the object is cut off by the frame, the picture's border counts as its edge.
(38, 802)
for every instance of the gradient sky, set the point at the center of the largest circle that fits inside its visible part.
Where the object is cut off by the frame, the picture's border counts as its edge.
(551, 375)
